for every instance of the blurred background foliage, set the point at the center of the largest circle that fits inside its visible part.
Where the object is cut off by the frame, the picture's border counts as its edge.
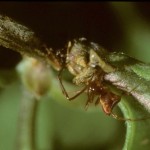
(63, 125)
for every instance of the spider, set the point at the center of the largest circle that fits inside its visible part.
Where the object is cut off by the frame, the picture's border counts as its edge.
(83, 61)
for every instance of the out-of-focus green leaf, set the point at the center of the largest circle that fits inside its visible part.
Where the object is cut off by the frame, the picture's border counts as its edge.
(136, 29)
(7, 77)
(60, 124)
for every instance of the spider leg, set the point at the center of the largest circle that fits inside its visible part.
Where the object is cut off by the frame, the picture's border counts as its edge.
(88, 99)
(64, 90)
(97, 100)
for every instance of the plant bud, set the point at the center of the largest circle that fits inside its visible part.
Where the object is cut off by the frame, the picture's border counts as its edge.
(35, 76)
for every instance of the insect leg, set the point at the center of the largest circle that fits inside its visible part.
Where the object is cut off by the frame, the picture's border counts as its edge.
(128, 119)
(64, 90)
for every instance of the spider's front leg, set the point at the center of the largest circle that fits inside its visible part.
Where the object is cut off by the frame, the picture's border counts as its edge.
(64, 90)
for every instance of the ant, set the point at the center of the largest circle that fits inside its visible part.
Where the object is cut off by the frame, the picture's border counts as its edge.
(87, 61)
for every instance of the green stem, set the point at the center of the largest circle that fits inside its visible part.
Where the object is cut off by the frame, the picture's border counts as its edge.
(26, 124)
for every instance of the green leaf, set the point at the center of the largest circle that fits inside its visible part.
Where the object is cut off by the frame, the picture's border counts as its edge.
(132, 76)
(137, 132)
